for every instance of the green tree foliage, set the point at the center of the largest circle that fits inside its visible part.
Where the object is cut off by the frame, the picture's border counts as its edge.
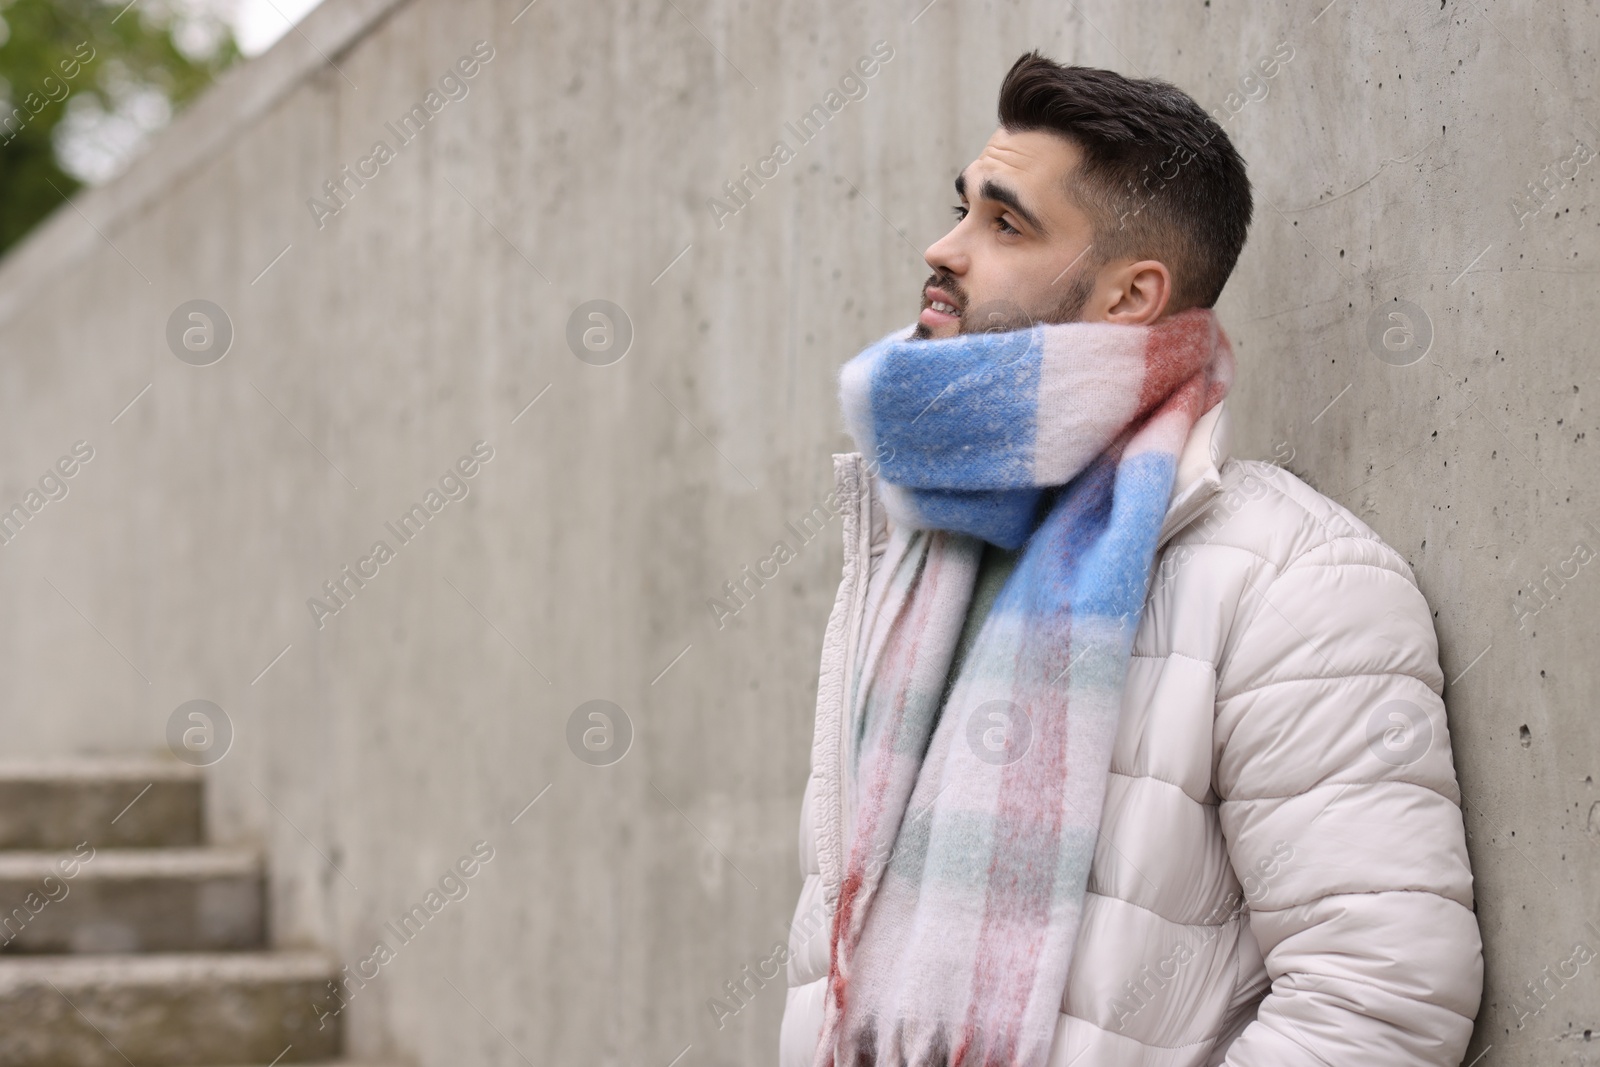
(54, 50)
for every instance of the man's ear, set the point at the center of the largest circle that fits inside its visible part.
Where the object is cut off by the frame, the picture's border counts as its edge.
(1143, 290)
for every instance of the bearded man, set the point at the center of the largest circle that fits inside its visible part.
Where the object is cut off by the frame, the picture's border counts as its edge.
(1128, 753)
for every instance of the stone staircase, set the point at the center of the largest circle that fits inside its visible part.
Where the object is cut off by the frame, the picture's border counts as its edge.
(125, 939)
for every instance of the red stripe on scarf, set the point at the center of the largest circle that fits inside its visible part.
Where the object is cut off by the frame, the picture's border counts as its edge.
(899, 658)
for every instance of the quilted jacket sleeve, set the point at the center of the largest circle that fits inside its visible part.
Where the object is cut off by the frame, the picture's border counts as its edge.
(1339, 803)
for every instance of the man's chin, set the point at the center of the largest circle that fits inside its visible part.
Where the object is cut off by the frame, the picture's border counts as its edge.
(924, 332)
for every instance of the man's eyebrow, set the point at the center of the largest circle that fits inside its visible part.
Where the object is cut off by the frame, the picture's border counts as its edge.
(1001, 194)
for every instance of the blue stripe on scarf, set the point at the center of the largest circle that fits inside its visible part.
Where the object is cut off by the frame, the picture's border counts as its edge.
(1002, 517)
(1115, 571)
(959, 445)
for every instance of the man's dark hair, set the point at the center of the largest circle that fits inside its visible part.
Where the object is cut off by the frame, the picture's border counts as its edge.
(1159, 178)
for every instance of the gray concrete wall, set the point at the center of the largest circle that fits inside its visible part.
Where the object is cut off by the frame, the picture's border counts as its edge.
(431, 310)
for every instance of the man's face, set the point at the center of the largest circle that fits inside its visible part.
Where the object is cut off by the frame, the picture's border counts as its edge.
(1020, 251)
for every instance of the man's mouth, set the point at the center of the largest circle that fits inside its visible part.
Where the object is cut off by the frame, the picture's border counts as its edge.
(941, 310)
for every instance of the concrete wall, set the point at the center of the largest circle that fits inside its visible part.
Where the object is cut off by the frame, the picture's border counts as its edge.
(432, 309)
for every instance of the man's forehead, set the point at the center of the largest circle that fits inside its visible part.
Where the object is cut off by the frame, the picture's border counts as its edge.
(1036, 159)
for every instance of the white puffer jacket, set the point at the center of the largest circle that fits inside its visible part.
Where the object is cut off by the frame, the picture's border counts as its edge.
(1281, 878)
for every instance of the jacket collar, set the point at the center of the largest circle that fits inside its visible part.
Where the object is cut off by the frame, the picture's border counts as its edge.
(1199, 476)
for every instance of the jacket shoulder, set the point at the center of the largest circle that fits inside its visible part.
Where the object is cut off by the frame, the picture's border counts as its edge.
(1263, 511)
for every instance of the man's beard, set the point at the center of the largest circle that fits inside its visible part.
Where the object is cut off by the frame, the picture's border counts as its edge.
(998, 316)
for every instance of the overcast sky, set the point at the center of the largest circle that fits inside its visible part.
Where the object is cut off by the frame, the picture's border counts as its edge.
(95, 144)
(257, 24)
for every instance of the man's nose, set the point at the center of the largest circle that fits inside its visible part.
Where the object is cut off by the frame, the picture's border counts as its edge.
(945, 255)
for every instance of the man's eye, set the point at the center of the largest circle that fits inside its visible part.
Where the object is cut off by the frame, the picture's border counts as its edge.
(960, 211)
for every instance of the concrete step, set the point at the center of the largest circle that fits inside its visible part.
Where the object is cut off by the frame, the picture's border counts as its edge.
(110, 802)
(168, 1010)
(131, 900)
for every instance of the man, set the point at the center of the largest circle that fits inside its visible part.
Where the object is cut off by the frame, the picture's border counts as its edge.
(1127, 752)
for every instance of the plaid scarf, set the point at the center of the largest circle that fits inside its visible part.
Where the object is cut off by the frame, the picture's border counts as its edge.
(976, 820)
